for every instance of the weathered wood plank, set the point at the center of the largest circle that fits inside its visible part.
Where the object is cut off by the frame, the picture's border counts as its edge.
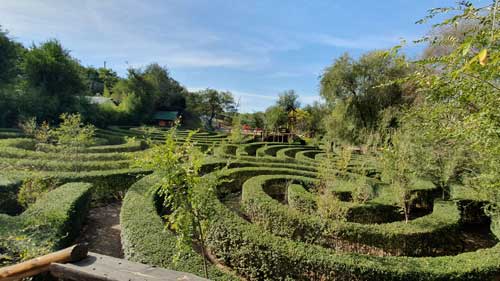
(99, 267)
(41, 264)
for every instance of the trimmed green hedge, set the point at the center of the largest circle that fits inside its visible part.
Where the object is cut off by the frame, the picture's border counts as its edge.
(420, 237)
(145, 239)
(64, 166)
(300, 199)
(258, 255)
(51, 223)
(8, 195)
(272, 150)
(292, 151)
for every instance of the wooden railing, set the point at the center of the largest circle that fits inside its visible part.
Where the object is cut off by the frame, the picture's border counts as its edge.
(76, 263)
(42, 264)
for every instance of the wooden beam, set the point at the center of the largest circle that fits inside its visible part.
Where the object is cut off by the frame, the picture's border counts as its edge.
(98, 267)
(41, 264)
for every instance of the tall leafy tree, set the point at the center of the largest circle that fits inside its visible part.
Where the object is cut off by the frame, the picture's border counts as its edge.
(137, 96)
(55, 76)
(11, 54)
(210, 102)
(466, 89)
(366, 86)
(108, 77)
(10, 57)
(317, 113)
(276, 117)
(288, 100)
(168, 92)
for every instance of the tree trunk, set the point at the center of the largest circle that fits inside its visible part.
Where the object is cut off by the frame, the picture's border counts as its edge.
(358, 107)
(212, 116)
(203, 253)
(407, 206)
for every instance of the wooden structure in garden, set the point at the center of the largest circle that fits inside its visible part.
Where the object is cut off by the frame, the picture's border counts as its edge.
(76, 263)
(165, 118)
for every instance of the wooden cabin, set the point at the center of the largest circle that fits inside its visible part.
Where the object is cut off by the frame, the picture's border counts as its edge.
(165, 118)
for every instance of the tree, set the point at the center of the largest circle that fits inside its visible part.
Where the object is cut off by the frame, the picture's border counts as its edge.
(211, 102)
(73, 133)
(438, 157)
(367, 86)
(467, 86)
(167, 91)
(51, 70)
(108, 77)
(236, 133)
(341, 127)
(317, 113)
(10, 58)
(288, 100)
(11, 54)
(398, 169)
(303, 121)
(92, 81)
(137, 96)
(444, 39)
(254, 120)
(276, 117)
(178, 168)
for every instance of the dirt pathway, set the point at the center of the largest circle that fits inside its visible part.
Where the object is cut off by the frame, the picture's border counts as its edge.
(102, 230)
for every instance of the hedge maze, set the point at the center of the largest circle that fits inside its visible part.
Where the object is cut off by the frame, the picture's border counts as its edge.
(269, 223)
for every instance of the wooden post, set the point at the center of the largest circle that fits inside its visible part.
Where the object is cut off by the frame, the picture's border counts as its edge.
(41, 264)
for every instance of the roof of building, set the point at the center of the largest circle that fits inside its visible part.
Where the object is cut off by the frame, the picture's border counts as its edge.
(166, 115)
(99, 99)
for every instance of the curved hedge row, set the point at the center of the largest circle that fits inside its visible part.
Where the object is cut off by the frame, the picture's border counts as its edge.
(422, 236)
(145, 239)
(260, 255)
(51, 223)
(262, 238)
(273, 232)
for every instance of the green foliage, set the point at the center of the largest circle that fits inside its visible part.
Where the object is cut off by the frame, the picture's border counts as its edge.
(330, 206)
(10, 56)
(317, 113)
(299, 198)
(29, 126)
(35, 187)
(168, 93)
(109, 79)
(145, 239)
(178, 169)
(8, 195)
(362, 90)
(254, 120)
(50, 69)
(288, 100)
(52, 223)
(466, 89)
(236, 132)
(398, 160)
(276, 117)
(209, 103)
(73, 133)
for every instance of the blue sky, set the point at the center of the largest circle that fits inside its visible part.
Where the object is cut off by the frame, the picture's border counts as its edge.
(255, 49)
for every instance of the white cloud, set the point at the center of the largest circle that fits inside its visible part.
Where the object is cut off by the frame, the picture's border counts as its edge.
(363, 43)
(112, 29)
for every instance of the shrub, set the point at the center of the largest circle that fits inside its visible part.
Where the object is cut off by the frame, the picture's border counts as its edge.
(51, 223)
(35, 187)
